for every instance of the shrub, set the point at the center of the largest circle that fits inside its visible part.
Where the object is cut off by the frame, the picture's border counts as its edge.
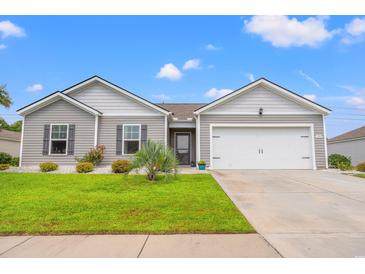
(4, 166)
(334, 160)
(201, 162)
(155, 157)
(344, 166)
(5, 158)
(121, 166)
(14, 161)
(48, 166)
(84, 167)
(94, 156)
(361, 167)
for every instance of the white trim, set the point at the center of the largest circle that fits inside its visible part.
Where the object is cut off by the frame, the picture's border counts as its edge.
(48, 100)
(96, 130)
(21, 143)
(310, 126)
(139, 140)
(131, 114)
(182, 125)
(190, 143)
(256, 113)
(325, 141)
(166, 131)
(197, 136)
(116, 88)
(50, 140)
(273, 86)
(346, 140)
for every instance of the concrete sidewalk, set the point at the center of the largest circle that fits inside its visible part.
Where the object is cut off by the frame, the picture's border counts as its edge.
(137, 246)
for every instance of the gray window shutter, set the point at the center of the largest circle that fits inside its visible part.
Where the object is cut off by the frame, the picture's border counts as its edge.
(71, 140)
(119, 139)
(143, 134)
(46, 131)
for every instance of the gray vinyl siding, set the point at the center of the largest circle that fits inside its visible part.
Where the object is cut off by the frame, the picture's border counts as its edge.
(57, 113)
(259, 97)
(107, 132)
(109, 101)
(316, 120)
(355, 149)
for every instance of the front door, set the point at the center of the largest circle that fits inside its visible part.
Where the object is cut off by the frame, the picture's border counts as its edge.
(182, 148)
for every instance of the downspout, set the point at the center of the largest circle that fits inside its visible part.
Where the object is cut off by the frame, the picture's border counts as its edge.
(197, 136)
(325, 141)
(21, 143)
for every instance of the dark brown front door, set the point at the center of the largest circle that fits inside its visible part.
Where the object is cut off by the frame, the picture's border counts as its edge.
(182, 148)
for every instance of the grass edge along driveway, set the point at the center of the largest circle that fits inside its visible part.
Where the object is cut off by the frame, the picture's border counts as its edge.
(36, 203)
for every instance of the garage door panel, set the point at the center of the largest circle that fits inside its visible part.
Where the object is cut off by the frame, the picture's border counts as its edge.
(261, 148)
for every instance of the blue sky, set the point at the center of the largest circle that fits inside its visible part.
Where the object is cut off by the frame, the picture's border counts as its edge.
(189, 58)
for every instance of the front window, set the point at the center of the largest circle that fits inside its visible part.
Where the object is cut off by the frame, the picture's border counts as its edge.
(59, 139)
(131, 139)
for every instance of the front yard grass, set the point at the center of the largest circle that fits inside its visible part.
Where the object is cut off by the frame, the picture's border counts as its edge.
(359, 175)
(34, 203)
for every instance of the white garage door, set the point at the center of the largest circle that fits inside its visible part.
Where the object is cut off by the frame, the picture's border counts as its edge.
(262, 148)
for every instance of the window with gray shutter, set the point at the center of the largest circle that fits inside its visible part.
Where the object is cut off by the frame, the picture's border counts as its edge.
(119, 144)
(46, 130)
(71, 140)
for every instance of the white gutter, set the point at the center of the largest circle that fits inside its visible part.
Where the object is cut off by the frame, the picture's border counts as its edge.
(21, 143)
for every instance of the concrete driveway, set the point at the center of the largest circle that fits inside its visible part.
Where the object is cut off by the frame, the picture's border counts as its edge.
(302, 213)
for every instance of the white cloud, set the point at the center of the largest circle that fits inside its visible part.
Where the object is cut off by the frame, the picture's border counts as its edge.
(309, 79)
(354, 31)
(169, 71)
(356, 27)
(192, 64)
(212, 47)
(356, 101)
(2, 46)
(250, 77)
(281, 31)
(311, 97)
(8, 29)
(217, 93)
(35, 88)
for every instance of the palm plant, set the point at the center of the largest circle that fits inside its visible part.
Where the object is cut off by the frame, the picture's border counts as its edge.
(5, 99)
(154, 158)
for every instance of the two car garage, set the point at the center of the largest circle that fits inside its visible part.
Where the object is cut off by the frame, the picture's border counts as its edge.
(262, 147)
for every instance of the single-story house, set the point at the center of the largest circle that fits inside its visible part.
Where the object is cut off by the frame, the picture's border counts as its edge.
(351, 144)
(259, 126)
(10, 142)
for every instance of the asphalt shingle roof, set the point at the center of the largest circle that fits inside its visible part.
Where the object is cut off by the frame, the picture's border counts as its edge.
(10, 135)
(353, 134)
(182, 111)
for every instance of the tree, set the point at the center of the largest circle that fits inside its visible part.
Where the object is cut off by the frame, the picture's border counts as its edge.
(5, 99)
(155, 157)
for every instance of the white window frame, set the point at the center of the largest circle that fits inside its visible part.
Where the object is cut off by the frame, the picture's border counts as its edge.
(123, 139)
(50, 140)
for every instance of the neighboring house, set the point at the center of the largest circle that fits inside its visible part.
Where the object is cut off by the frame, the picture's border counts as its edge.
(351, 144)
(259, 126)
(10, 142)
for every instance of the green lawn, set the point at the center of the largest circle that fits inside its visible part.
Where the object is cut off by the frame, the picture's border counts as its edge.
(33, 203)
(360, 175)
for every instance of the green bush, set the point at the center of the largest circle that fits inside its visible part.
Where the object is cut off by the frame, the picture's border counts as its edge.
(84, 167)
(201, 163)
(155, 157)
(334, 160)
(94, 156)
(344, 166)
(4, 166)
(14, 161)
(361, 167)
(48, 166)
(121, 166)
(5, 158)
